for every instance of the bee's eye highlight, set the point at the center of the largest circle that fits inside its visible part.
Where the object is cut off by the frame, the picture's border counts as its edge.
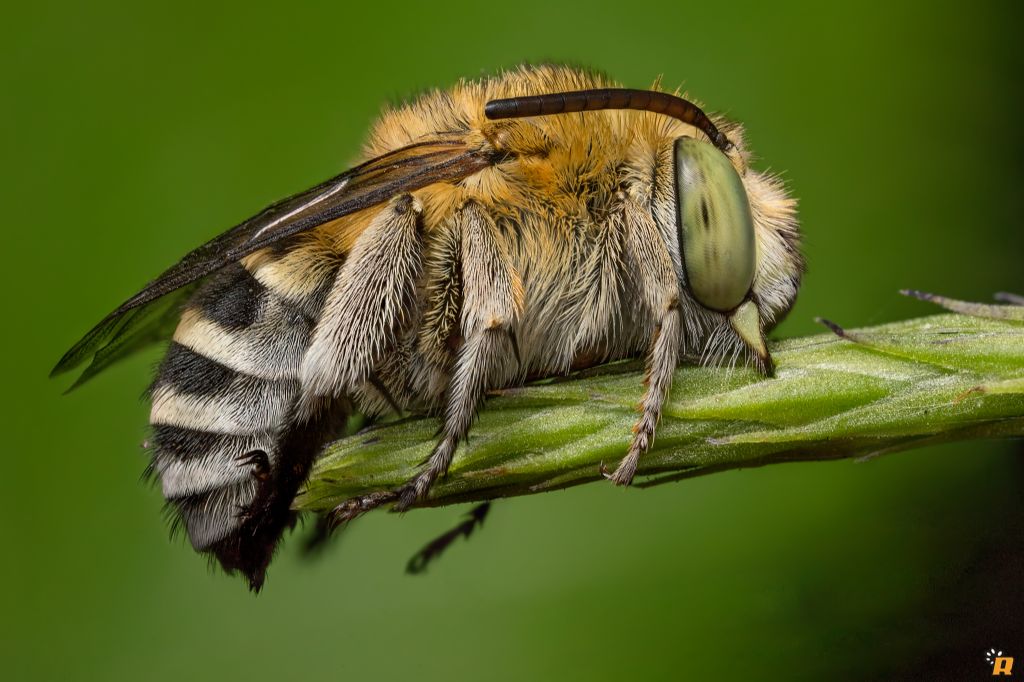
(716, 230)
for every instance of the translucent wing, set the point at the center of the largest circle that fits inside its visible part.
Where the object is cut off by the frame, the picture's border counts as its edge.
(118, 337)
(144, 318)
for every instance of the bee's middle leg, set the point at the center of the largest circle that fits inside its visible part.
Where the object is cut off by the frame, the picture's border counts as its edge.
(482, 351)
(491, 301)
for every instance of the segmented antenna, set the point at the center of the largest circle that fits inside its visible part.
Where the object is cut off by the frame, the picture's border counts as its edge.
(608, 98)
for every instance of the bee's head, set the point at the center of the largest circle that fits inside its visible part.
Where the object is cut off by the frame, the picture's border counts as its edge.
(738, 236)
(738, 242)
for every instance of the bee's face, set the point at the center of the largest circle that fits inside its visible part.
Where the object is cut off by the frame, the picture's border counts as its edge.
(737, 241)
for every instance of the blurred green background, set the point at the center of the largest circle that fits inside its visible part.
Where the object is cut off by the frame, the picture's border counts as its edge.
(132, 133)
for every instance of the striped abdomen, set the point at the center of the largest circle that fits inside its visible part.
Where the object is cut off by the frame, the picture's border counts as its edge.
(222, 404)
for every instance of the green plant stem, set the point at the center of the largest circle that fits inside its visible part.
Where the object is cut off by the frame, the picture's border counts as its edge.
(857, 393)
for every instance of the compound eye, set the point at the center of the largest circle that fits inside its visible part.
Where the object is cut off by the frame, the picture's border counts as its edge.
(716, 230)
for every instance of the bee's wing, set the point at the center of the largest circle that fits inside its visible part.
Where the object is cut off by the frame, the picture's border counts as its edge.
(142, 317)
(119, 336)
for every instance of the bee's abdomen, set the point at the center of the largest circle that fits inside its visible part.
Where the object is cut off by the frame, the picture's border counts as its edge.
(222, 397)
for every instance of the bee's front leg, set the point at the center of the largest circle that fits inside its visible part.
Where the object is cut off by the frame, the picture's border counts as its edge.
(661, 365)
(655, 278)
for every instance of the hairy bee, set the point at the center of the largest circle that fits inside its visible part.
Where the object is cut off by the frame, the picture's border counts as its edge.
(484, 240)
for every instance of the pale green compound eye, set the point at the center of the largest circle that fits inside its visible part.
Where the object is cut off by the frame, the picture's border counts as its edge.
(716, 230)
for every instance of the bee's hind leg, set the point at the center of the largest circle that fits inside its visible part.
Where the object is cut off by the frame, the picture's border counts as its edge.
(365, 310)
(364, 316)
(357, 506)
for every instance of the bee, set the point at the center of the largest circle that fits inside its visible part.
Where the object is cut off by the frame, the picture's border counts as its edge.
(520, 226)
